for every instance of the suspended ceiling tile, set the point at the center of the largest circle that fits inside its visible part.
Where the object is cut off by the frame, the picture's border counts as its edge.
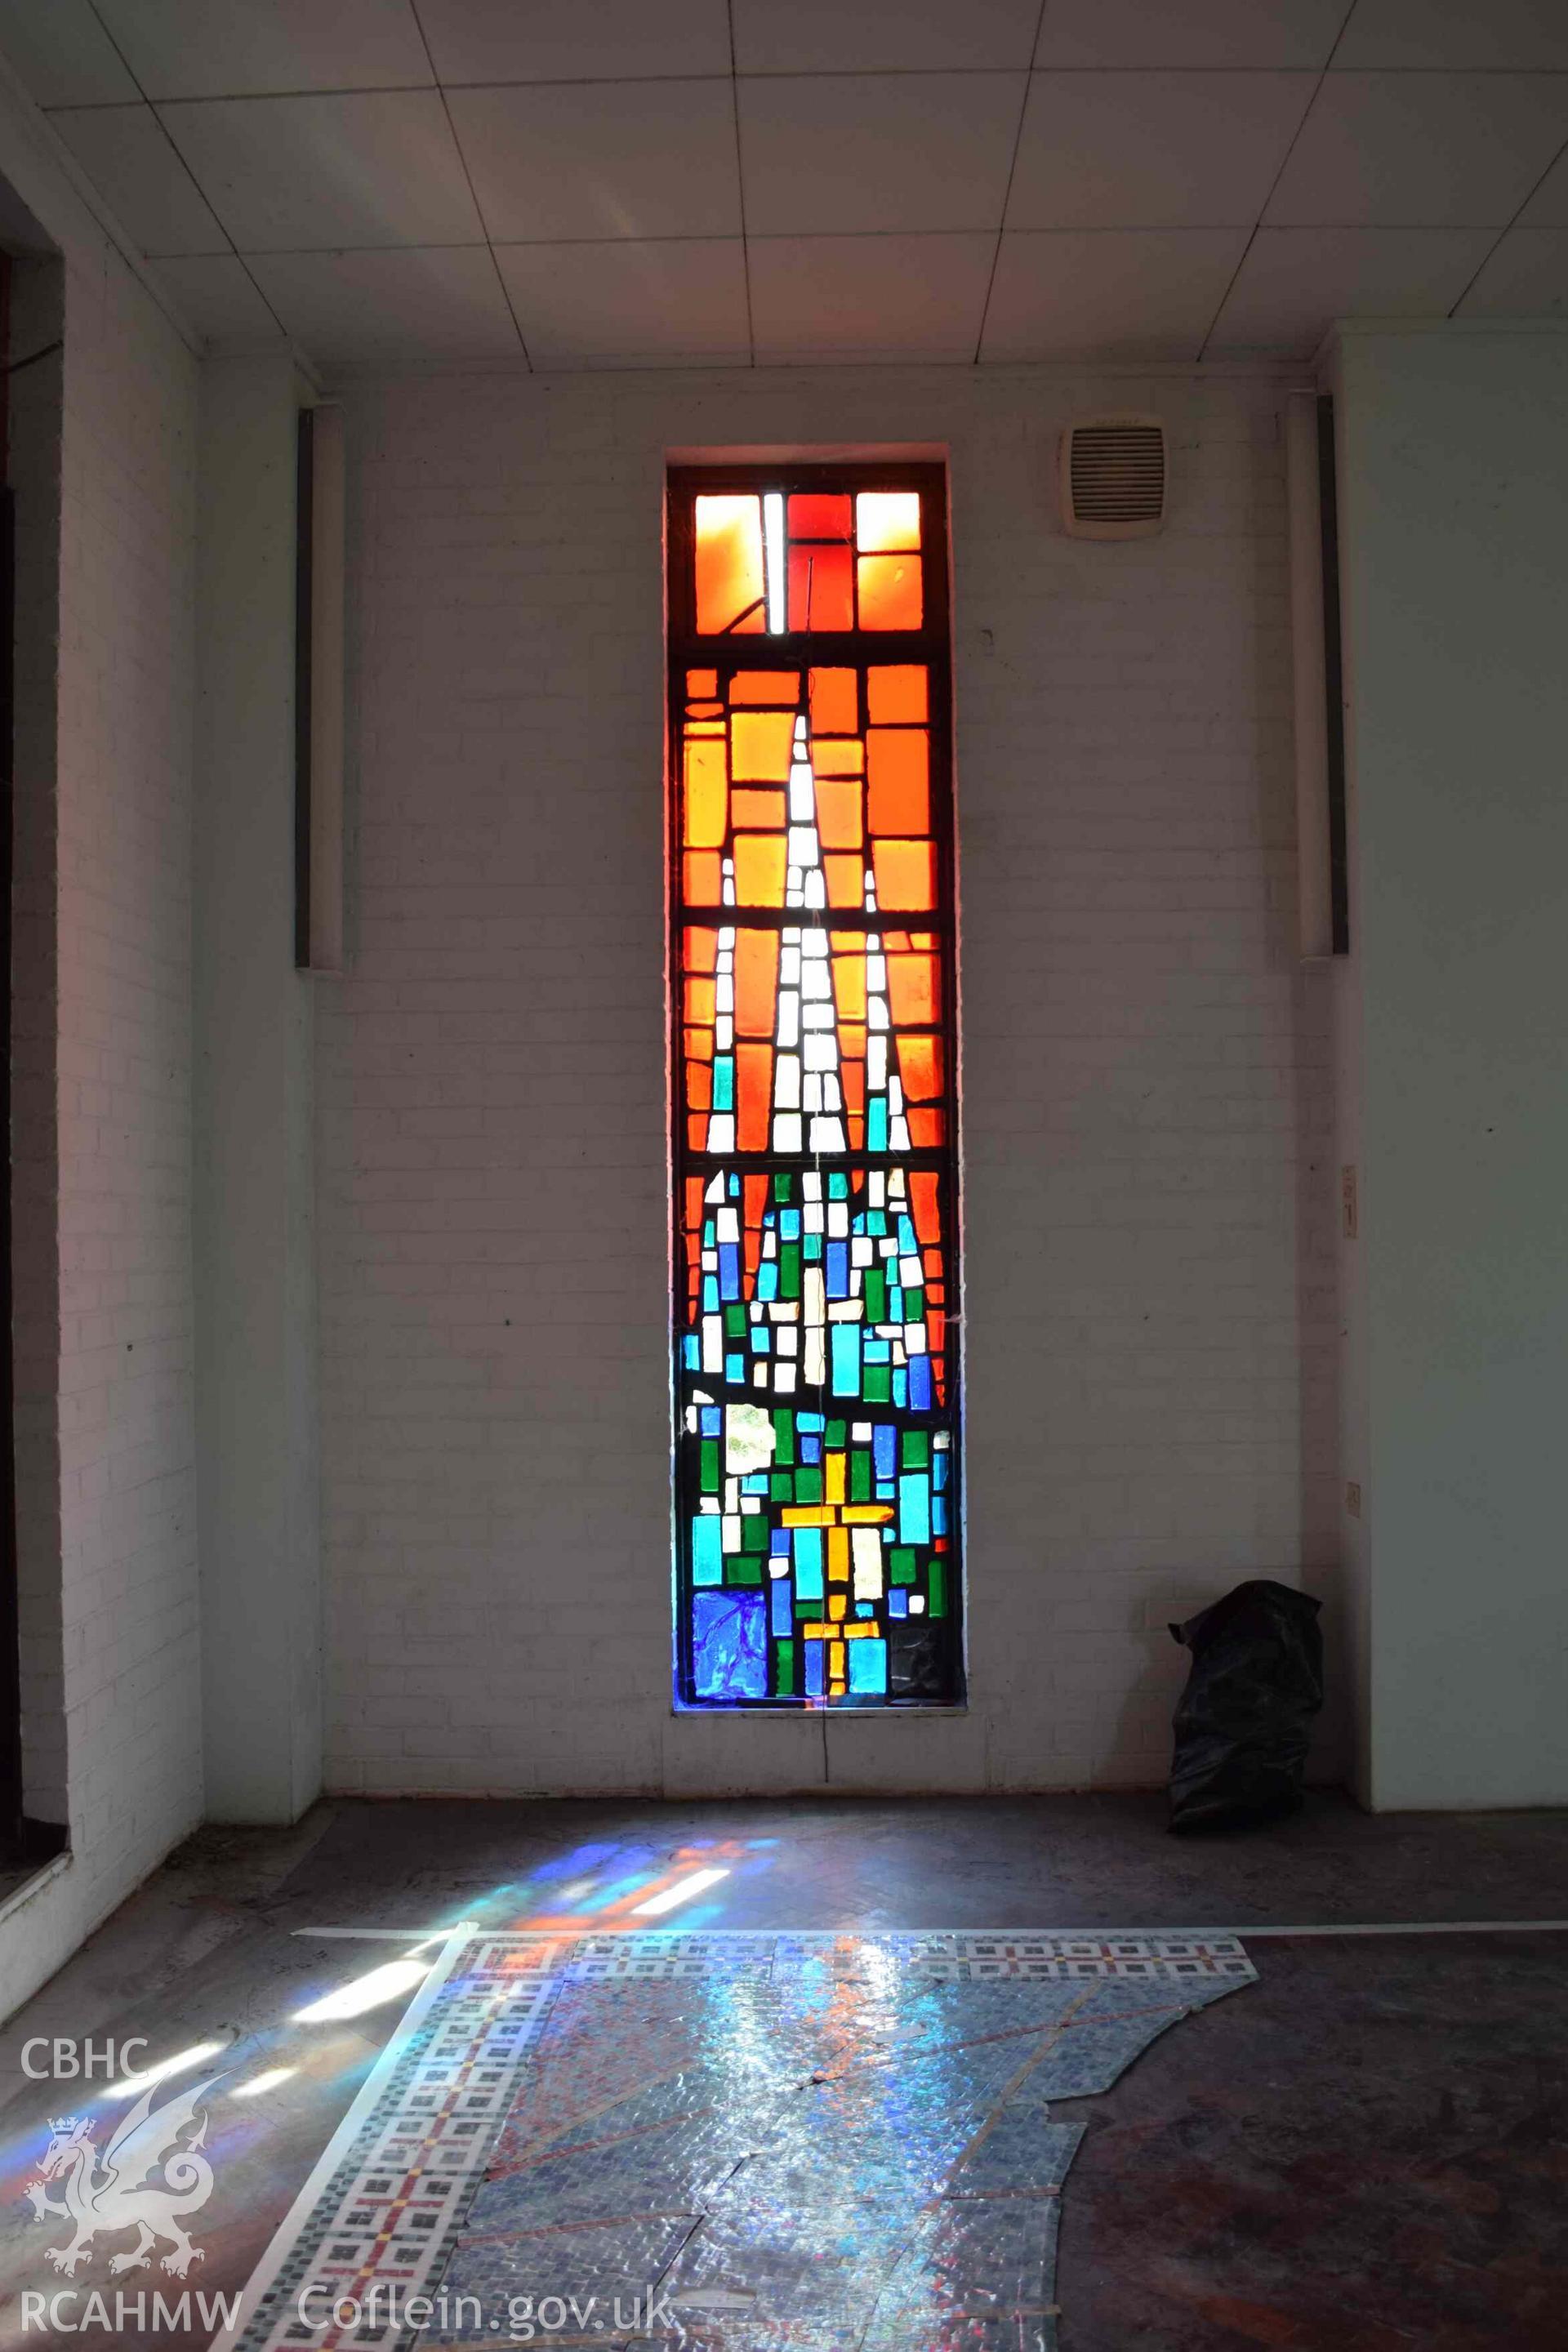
(1224, 32)
(217, 294)
(1295, 281)
(1110, 293)
(842, 297)
(562, 40)
(650, 159)
(852, 152)
(366, 168)
(882, 35)
(125, 154)
(1421, 149)
(1518, 33)
(1153, 150)
(630, 302)
(1524, 277)
(1547, 207)
(234, 48)
(63, 54)
(431, 304)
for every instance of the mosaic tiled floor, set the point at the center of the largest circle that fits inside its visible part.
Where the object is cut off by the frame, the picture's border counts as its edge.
(735, 2143)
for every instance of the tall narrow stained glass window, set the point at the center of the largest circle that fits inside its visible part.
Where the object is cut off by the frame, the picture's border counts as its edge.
(815, 1197)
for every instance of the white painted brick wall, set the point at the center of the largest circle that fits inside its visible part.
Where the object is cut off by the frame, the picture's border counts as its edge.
(106, 1502)
(1146, 1093)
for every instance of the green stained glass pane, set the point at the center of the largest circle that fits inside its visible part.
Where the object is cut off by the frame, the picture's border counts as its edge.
(808, 1485)
(710, 1472)
(784, 1652)
(837, 1432)
(740, 1567)
(781, 1487)
(859, 1475)
(916, 1449)
(876, 1294)
(754, 1533)
(837, 1185)
(938, 1602)
(875, 1222)
(877, 1384)
(782, 1187)
(735, 1321)
(789, 1270)
(783, 1436)
(901, 1565)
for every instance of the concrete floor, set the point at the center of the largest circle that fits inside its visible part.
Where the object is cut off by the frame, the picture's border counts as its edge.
(1366, 2151)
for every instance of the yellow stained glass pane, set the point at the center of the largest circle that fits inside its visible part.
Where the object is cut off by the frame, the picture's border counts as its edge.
(889, 591)
(705, 792)
(729, 535)
(885, 519)
(760, 868)
(760, 746)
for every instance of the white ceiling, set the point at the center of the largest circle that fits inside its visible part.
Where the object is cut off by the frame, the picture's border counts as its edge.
(612, 182)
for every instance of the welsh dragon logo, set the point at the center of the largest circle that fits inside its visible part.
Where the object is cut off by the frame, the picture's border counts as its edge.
(112, 2188)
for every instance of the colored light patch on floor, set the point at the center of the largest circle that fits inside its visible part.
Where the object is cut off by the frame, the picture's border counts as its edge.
(741, 2143)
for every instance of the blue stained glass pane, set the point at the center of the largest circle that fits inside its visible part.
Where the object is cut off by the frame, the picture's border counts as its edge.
(730, 1644)
(735, 1370)
(710, 1294)
(815, 1421)
(768, 1279)
(812, 1669)
(712, 1421)
(876, 1352)
(868, 1666)
(845, 1358)
(707, 1549)
(914, 1509)
(723, 1084)
(838, 1269)
(884, 1448)
(877, 1123)
(909, 1243)
(756, 1483)
(729, 1270)
(733, 1188)
(789, 1225)
(901, 1387)
(864, 1609)
(941, 1469)
(938, 1516)
(761, 1338)
(808, 1563)
(898, 1602)
(692, 1351)
(778, 1543)
(782, 1619)
(886, 1491)
(810, 1449)
(920, 1384)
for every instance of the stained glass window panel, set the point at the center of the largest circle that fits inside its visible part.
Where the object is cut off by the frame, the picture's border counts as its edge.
(818, 1446)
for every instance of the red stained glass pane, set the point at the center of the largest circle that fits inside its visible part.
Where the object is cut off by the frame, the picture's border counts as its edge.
(729, 549)
(925, 1205)
(906, 873)
(757, 982)
(759, 869)
(927, 1128)
(760, 744)
(898, 787)
(753, 1088)
(838, 812)
(835, 705)
(769, 687)
(912, 989)
(818, 515)
(702, 685)
(887, 519)
(821, 588)
(897, 695)
(889, 591)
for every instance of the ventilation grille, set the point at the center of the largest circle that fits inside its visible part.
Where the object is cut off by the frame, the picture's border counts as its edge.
(1113, 478)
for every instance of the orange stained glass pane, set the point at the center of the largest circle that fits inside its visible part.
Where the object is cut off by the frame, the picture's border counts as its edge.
(919, 1067)
(704, 879)
(758, 812)
(834, 707)
(838, 755)
(818, 515)
(699, 1086)
(906, 873)
(821, 588)
(925, 1206)
(897, 696)
(769, 687)
(898, 764)
(887, 519)
(700, 1002)
(701, 948)
(753, 1095)
(760, 744)
(760, 869)
(889, 591)
(838, 812)
(912, 989)
(704, 718)
(853, 1076)
(729, 531)
(706, 792)
(699, 1044)
(702, 683)
(850, 980)
(926, 1129)
(757, 982)
(697, 1131)
(846, 879)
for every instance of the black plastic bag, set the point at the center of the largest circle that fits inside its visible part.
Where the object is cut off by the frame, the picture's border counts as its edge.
(1244, 1718)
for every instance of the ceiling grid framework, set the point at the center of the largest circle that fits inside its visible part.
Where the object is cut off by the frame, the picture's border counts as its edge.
(735, 182)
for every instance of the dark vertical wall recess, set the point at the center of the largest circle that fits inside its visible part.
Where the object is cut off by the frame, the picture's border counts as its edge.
(11, 1837)
(1333, 684)
(303, 619)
